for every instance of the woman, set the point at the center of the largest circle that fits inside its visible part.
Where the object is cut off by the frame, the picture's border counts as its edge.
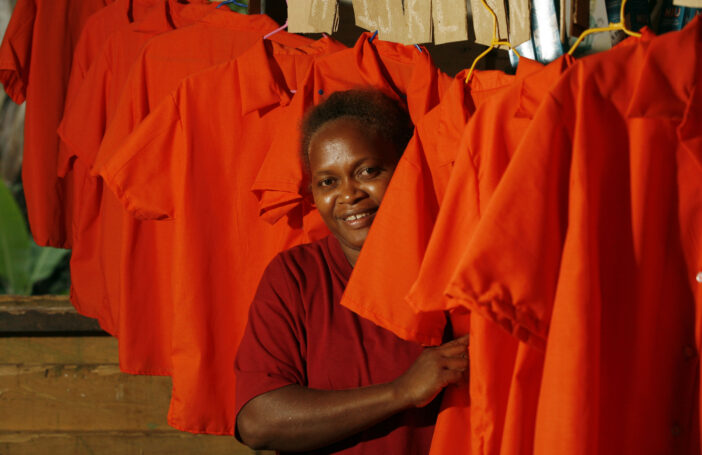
(312, 375)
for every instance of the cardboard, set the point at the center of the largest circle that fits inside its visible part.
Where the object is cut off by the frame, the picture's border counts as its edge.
(450, 20)
(299, 16)
(519, 22)
(324, 16)
(410, 24)
(418, 17)
(313, 16)
(483, 22)
(688, 3)
(362, 14)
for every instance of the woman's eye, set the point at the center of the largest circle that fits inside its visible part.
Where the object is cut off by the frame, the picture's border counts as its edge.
(370, 171)
(325, 182)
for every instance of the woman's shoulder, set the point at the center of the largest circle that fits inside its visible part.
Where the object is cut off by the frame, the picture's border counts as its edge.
(304, 254)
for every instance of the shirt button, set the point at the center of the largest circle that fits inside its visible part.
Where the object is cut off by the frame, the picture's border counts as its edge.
(699, 277)
(676, 430)
(689, 352)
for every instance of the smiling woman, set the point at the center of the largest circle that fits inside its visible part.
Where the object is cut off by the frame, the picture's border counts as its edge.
(312, 375)
(351, 144)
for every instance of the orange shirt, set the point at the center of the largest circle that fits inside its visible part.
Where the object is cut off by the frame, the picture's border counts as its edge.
(145, 297)
(95, 274)
(492, 412)
(402, 72)
(97, 29)
(186, 164)
(35, 60)
(588, 247)
(393, 250)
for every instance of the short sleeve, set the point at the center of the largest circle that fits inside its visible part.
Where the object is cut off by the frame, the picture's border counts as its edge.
(454, 226)
(393, 251)
(280, 179)
(132, 108)
(16, 50)
(273, 349)
(147, 173)
(510, 268)
(85, 118)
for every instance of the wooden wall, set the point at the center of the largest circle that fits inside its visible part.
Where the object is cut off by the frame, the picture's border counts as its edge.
(61, 391)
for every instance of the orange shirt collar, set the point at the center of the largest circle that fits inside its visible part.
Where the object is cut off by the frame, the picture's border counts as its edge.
(669, 86)
(262, 56)
(225, 18)
(369, 64)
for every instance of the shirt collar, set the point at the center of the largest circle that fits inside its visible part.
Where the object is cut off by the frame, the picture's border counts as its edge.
(537, 81)
(127, 7)
(225, 18)
(669, 86)
(266, 86)
(171, 14)
(369, 58)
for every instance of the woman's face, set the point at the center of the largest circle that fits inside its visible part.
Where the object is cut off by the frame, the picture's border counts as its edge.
(350, 170)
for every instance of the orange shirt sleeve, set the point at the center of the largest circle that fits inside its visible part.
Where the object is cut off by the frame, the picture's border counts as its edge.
(16, 51)
(529, 240)
(147, 170)
(85, 119)
(411, 197)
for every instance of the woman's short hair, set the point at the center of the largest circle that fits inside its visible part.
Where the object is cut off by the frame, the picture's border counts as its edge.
(380, 114)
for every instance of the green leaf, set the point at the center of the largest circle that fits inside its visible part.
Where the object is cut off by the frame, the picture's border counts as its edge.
(44, 262)
(15, 244)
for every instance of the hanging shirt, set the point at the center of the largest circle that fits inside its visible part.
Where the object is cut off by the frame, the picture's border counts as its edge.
(185, 163)
(95, 262)
(589, 247)
(392, 252)
(97, 29)
(35, 60)
(297, 333)
(145, 305)
(401, 72)
(494, 413)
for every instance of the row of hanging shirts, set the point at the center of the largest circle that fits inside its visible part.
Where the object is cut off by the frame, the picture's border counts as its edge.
(557, 213)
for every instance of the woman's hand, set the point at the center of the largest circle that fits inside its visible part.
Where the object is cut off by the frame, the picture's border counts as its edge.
(433, 370)
(296, 418)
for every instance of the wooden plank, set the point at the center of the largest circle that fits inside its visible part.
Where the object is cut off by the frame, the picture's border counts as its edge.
(58, 350)
(81, 397)
(120, 443)
(42, 314)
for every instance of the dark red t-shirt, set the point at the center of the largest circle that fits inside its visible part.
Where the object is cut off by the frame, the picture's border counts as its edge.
(298, 333)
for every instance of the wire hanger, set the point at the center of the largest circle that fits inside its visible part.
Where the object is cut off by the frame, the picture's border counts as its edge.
(279, 29)
(612, 26)
(232, 2)
(493, 43)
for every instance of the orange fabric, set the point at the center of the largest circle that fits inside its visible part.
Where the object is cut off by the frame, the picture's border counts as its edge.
(391, 255)
(402, 72)
(97, 30)
(145, 304)
(35, 61)
(496, 410)
(95, 274)
(186, 163)
(588, 247)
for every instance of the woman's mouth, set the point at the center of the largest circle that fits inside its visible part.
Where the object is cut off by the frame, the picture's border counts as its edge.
(360, 219)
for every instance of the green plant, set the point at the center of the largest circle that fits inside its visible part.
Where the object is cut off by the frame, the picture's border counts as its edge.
(22, 262)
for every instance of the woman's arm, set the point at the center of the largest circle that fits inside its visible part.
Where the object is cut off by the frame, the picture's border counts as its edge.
(296, 418)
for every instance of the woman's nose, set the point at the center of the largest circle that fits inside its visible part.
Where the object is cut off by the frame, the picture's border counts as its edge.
(350, 192)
